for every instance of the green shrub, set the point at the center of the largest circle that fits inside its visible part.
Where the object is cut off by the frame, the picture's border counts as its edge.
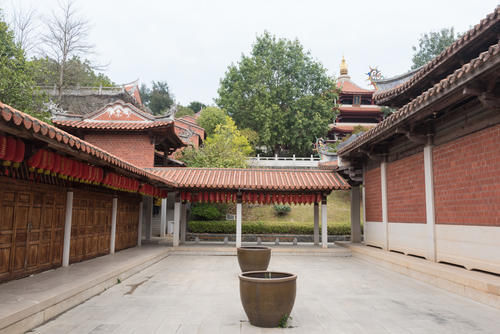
(229, 227)
(282, 210)
(205, 211)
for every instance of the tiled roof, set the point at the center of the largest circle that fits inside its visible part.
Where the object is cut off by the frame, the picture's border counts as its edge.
(360, 109)
(483, 63)
(491, 22)
(132, 126)
(350, 87)
(252, 179)
(17, 119)
(349, 128)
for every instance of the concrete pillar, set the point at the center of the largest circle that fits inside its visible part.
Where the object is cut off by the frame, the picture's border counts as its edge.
(139, 232)
(385, 222)
(324, 226)
(113, 226)
(183, 221)
(238, 221)
(316, 223)
(163, 217)
(67, 228)
(177, 219)
(429, 203)
(148, 216)
(355, 218)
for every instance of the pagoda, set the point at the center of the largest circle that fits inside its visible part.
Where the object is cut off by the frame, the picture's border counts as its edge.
(356, 107)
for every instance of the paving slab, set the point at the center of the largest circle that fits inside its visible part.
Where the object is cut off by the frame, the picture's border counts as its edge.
(28, 302)
(200, 294)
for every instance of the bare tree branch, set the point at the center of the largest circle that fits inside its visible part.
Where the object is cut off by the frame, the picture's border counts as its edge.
(67, 36)
(24, 25)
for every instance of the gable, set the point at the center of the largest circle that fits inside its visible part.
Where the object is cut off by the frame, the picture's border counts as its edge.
(118, 112)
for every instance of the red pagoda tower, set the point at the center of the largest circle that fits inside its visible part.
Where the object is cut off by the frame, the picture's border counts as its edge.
(356, 107)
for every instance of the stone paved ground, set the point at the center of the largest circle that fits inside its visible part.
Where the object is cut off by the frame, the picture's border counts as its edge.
(199, 294)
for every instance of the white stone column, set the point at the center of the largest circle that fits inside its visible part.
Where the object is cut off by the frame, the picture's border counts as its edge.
(355, 218)
(177, 219)
(316, 223)
(324, 226)
(113, 226)
(67, 228)
(148, 216)
(238, 221)
(429, 202)
(385, 222)
(163, 218)
(139, 232)
(183, 221)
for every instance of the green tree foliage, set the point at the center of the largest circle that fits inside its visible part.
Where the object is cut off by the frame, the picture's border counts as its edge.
(183, 111)
(252, 136)
(225, 148)
(210, 117)
(158, 98)
(432, 44)
(280, 92)
(196, 106)
(17, 87)
(77, 72)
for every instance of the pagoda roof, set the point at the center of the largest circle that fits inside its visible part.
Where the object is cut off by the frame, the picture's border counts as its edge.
(485, 66)
(463, 50)
(348, 87)
(360, 109)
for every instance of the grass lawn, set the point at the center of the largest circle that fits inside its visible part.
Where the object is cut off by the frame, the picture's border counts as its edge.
(338, 211)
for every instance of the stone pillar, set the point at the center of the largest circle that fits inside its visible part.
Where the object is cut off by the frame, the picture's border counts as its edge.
(67, 228)
(183, 221)
(139, 232)
(429, 202)
(316, 223)
(385, 222)
(177, 219)
(324, 226)
(238, 220)
(355, 218)
(163, 217)
(113, 226)
(148, 216)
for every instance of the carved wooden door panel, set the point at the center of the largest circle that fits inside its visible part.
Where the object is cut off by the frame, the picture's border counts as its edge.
(31, 228)
(127, 222)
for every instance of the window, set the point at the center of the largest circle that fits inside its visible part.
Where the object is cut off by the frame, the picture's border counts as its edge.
(357, 100)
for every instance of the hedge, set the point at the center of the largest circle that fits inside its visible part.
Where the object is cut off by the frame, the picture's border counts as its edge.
(229, 227)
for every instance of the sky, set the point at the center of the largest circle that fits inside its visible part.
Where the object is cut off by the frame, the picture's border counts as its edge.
(190, 43)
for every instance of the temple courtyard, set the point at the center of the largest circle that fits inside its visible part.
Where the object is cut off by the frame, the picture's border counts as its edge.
(192, 293)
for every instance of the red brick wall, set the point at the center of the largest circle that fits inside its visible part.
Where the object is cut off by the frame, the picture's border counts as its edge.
(373, 195)
(467, 179)
(134, 148)
(406, 190)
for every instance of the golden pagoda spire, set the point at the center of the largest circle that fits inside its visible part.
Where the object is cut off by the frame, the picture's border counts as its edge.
(343, 67)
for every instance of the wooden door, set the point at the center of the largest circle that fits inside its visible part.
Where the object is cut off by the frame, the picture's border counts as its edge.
(31, 228)
(91, 225)
(127, 222)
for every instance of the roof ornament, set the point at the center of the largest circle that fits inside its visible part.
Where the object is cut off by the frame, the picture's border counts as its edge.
(373, 76)
(343, 67)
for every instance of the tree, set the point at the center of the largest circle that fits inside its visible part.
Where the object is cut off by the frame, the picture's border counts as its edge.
(66, 37)
(210, 117)
(196, 106)
(183, 111)
(280, 92)
(160, 99)
(77, 73)
(224, 149)
(17, 87)
(432, 44)
(24, 26)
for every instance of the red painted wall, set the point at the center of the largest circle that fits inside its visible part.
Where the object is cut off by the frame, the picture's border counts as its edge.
(134, 148)
(373, 195)
(406, 190)
(467, 179)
